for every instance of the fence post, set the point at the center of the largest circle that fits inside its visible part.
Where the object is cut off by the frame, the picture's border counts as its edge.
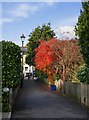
(88, 95)
(84, 93)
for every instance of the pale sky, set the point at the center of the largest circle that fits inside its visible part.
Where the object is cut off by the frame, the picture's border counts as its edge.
(24, 17)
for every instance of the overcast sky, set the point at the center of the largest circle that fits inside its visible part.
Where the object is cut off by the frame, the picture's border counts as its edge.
(23, 17)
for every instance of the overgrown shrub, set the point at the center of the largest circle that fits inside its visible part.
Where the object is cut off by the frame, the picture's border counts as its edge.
(56, 77)
(11, 67)
(83, 74)
(40, 75)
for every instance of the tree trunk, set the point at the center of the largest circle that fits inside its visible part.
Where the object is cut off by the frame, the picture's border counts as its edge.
(64, 72)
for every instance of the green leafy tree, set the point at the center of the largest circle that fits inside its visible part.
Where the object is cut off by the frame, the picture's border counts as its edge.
(82, 31)
(83, 74)
(45, 33)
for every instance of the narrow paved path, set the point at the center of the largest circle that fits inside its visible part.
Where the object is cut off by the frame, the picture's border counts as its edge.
(36, 101)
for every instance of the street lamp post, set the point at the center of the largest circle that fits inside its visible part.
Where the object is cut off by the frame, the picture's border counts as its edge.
(22, 40)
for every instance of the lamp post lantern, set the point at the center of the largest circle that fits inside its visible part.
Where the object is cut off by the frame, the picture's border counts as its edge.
(22, 40)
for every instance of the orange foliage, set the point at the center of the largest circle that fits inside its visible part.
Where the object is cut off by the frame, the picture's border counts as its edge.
(54, 53)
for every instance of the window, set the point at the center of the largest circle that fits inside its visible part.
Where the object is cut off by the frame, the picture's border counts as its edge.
(26, 68)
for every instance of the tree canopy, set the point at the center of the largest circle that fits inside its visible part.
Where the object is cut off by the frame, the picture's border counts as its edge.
(44, 55)
(54, 57)
(45, 32)
(82, 31)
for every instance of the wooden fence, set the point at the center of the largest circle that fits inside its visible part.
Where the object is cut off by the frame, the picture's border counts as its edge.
(76, 91)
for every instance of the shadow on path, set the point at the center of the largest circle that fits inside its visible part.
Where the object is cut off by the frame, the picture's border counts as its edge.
(37, 101)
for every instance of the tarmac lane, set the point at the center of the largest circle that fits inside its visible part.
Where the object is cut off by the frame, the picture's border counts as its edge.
(37, 101)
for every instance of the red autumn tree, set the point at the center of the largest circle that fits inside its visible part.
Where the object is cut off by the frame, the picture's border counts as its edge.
(56, 56)
(67, 53)
(67, 56)
(44, 56)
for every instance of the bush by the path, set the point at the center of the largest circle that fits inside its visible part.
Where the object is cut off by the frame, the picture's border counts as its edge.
(11, 68)
(83, 74)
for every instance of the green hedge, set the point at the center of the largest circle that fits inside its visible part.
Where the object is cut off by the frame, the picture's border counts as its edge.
(11, 68)
(83, 74)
